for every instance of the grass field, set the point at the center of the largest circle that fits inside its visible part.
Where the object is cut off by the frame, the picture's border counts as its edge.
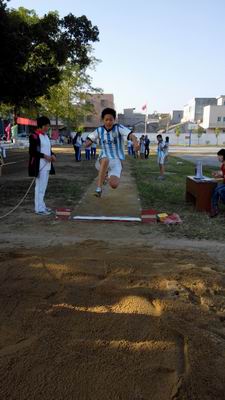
(169, 196)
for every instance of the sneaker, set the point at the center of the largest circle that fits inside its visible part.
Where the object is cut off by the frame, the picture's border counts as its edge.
(48, 209)
(43, 212)
(98, 192)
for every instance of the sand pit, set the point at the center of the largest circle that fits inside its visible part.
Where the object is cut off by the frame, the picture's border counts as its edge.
(96, 321)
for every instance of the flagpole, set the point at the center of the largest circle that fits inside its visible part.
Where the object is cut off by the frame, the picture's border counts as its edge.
(146, 118)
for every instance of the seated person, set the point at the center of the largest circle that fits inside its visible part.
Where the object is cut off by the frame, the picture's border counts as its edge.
(219, 191)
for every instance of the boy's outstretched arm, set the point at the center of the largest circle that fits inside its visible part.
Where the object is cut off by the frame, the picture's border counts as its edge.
(132, 137)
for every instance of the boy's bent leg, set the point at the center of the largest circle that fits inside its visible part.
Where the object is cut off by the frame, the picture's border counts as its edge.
(115, 168)
(104, 163)
(114, 181)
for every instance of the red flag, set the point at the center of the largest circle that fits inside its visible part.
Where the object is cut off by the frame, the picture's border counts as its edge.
(144, 107)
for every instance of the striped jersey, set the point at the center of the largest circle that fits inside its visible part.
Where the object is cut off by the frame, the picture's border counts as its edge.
(111, 141)
(161, 150)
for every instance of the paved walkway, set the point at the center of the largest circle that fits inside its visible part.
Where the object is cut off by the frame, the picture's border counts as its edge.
(123, 201)
(208, 159)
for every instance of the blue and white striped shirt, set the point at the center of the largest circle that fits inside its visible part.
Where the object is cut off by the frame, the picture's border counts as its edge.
(112, 142)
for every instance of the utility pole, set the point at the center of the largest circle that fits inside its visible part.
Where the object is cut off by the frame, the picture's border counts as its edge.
(146, 118)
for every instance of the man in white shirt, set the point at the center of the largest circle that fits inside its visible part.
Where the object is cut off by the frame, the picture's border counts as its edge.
(40, 163)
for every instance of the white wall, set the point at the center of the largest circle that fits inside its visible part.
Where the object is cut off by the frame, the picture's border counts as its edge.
(184, 139)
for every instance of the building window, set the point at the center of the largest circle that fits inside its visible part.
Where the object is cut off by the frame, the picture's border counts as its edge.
(89, 118)
(223, 119)
(224, 103)
(218, 119)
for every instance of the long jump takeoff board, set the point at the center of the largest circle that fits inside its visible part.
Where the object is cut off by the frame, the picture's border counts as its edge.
(105, 218)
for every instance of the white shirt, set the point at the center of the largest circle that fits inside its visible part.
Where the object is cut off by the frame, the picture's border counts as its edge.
(45, 149)
(78, 141)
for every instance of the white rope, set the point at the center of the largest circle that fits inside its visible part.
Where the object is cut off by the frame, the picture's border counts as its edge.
(20, 202)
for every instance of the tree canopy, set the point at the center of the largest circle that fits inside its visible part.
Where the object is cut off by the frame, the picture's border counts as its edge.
(34, 51)
(68, 100)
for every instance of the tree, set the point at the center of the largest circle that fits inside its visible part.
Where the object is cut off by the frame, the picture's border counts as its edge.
(199, 132)
(34, 50)
(217, 133)
(177, 133)
(6, 111)
(67, 100)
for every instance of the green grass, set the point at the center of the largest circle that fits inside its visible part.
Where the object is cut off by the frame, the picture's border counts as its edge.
(64, 189)
(169, 196)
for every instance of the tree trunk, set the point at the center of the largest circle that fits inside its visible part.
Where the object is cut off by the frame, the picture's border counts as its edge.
(57, 122)
(15, 110)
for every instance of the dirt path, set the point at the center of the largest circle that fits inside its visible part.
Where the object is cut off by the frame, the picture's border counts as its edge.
(122, 202)
(93, 311)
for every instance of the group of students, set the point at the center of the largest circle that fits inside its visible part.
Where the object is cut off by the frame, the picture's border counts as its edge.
(111, 137)
(144, 147)
(90, 151)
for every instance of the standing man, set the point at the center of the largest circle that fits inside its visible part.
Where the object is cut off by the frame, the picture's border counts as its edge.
(77, 144)
(14, 133)
(40, 163)
(161, 153)
(8, 132)
(147, 144)
(93, 150)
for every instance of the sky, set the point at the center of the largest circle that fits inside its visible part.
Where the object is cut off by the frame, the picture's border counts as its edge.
(159, 52)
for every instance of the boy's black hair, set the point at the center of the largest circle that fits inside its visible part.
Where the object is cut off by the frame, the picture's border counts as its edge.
(167, 138)
(221, 152)
(159, 135)
(109, 111)
(41, 121)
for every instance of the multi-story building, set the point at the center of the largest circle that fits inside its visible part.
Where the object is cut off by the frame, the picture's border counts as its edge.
(176, 117)
(130, 118)
(214, 116)
(193, 111)
(138, 121)
(99, 102)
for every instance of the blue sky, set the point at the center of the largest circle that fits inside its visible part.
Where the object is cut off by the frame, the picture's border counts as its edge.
(163, 52)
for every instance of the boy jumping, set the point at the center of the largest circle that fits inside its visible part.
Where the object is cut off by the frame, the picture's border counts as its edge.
(111, 138)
